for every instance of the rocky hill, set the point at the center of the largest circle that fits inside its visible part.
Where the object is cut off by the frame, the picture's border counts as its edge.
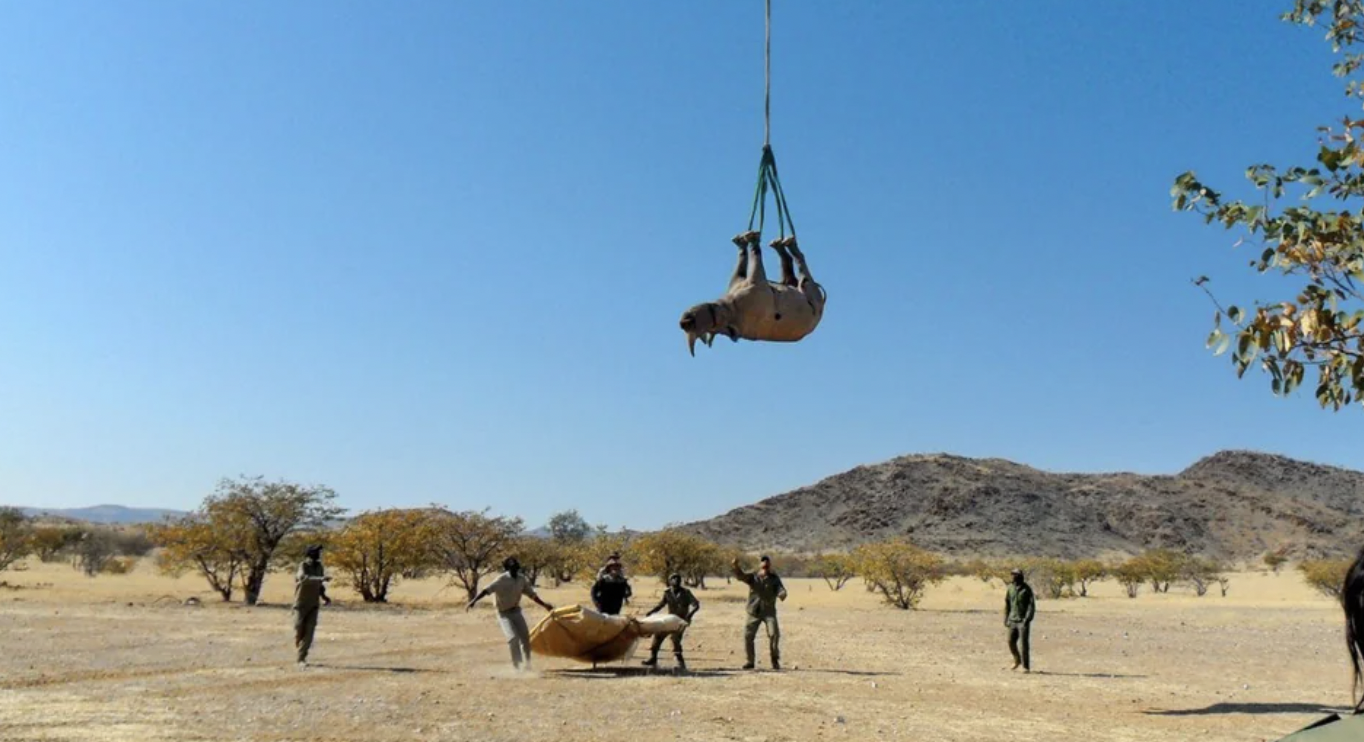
(1233, 505)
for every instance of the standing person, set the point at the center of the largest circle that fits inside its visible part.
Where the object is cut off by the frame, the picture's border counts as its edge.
(611, 590)
(680, 602)
(507, 590)
(765, 588)
(310, 585)
(1019, 608)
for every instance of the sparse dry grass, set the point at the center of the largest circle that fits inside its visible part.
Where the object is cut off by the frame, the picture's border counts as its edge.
(118, 658)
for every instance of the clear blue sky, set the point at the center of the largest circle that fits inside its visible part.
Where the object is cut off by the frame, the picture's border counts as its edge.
(436, 251)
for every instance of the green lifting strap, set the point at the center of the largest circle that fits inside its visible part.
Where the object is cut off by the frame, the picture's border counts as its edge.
(767, 167)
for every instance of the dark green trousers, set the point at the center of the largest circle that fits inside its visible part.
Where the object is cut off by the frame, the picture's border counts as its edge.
(1018, 634)
(676, 636)
(773, 637)
(305, 624)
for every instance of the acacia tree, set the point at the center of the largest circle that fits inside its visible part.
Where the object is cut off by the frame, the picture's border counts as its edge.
(568, 532)
(269, 512)
(1201, 573)
(376, 549)
(1160, 567)
(1276, 559)
(217, 551)
(94, 551)
(672, 550)
(469, 544)
(592, 553)
(899, 570)
(835, 569)
(1130, 574)
(537, 556)
(50, 542)
(1326, 576)
(1322, 326)
(568, 528)
(16, 536)
(1086, 572)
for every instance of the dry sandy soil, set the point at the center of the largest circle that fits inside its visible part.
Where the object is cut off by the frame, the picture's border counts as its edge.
(119, 658)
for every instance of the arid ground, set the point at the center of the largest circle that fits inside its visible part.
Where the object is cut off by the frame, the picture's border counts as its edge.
(121, 658)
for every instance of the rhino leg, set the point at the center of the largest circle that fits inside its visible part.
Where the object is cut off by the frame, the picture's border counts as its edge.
(812, 290)
(788, 271)
(741, 268)
(802, 268)
(757, 275)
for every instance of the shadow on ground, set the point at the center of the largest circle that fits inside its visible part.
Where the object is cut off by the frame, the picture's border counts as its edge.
(375, 668)
(625, 672)
(1100, 675)
(1249, 708)
(858, 673)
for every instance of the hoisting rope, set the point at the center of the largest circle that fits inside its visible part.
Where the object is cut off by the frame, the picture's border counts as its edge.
(767, 167)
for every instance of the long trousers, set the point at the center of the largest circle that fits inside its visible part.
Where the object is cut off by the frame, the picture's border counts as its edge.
(773, 637)
(658, 644)
(305, 625)
(1019, 634)
(513, 624)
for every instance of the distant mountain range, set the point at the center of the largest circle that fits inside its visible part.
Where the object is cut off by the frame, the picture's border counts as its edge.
(1233, 505)
(110, 514)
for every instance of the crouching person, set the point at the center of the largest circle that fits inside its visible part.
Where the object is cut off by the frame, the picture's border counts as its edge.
(682, 603)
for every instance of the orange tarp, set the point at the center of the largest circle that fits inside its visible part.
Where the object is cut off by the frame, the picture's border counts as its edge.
(583, 634)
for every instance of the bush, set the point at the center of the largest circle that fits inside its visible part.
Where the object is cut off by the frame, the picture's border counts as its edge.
(1201, 573)
(899, 570)
(1130, 574)
(1327, 576)
(835, 569)
(119, 565)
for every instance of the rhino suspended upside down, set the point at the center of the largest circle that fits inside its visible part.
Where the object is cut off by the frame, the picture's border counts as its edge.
(754, 308)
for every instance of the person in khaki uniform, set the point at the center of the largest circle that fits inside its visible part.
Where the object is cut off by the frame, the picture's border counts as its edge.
(507, 591)
(765, 588)
(310, 586)
(1019, 608)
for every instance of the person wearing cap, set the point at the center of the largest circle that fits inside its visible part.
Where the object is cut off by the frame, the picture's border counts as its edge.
(310, 585)
(765, 588)
(507, 590)
(680, 602)
(1019, 608)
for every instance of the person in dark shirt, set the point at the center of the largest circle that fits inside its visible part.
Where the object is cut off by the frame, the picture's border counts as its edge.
(682, 603)
(1019, 608)
(310, 586)
(765, 588)
(611, 591)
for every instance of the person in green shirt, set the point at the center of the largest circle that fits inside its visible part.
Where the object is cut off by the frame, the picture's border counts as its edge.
(310, 585)
(765, 588)
(682, 603)
(1019, 608)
